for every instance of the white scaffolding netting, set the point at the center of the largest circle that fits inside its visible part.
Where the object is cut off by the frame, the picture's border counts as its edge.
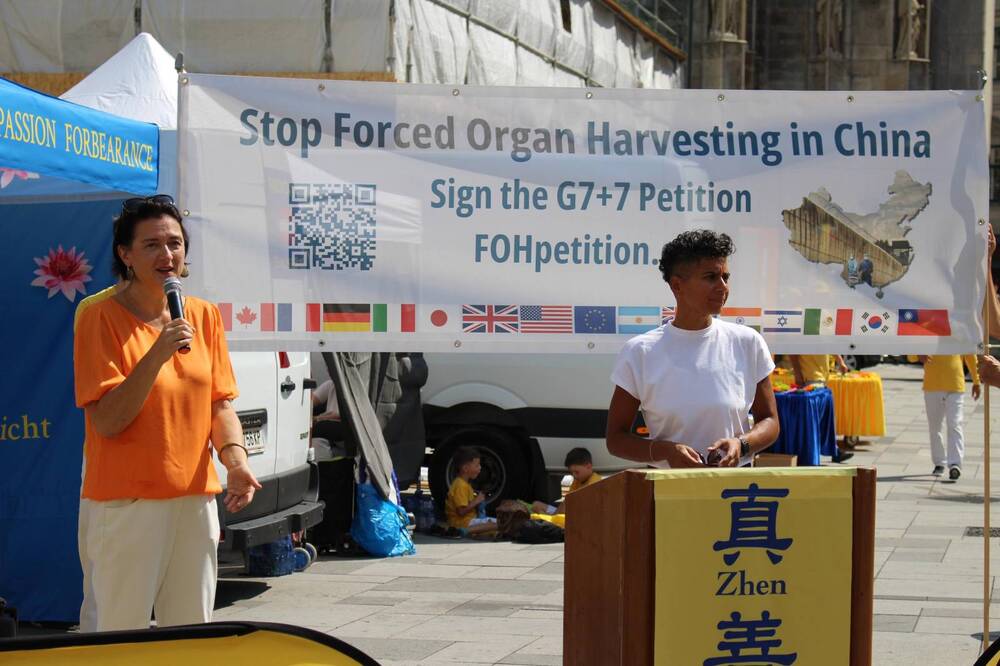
(479, 42)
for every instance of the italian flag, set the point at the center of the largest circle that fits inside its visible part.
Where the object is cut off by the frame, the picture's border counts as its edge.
(828, 322)
(394, 318)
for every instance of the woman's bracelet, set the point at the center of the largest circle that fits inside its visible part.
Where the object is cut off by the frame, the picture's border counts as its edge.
(226, 446)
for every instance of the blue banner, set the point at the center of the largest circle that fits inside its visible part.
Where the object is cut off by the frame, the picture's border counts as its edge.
(53, 137)
(49, 268)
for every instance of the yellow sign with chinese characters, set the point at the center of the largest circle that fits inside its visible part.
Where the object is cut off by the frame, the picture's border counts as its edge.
(753, 566)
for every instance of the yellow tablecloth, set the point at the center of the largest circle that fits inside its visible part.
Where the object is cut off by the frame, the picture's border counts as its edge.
(858, 405)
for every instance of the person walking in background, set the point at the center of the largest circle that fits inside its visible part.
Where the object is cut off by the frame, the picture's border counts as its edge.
(944, 386)
(815, 368)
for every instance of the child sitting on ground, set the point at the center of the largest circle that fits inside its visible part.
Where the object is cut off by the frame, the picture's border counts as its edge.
(581, 467)
(462, 503)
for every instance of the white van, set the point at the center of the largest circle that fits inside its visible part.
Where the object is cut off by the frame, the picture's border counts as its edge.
(275, 408)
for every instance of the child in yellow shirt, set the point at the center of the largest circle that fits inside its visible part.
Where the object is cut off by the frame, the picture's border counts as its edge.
(944, 386)
(581, 467)
(462, 503)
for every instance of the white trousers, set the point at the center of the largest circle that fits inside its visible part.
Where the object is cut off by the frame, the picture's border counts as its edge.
(149, 554)
(88, 610)
(944, 409)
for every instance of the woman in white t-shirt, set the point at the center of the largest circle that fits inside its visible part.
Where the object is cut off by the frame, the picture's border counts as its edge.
(696, 378)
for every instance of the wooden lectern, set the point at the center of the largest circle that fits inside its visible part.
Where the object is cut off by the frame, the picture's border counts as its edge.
(610, 572)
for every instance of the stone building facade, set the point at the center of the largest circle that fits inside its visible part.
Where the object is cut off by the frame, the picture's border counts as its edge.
(846, 45)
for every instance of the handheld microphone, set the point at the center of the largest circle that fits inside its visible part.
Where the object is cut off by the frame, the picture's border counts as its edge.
(172, 288)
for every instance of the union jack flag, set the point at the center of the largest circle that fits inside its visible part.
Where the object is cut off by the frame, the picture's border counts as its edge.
(666, 314)
(546, 318)
(489, 319)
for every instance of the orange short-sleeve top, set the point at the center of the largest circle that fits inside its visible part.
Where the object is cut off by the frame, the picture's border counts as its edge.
(165, 452)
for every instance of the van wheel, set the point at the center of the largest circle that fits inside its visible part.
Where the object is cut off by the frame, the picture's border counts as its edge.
(504, 472)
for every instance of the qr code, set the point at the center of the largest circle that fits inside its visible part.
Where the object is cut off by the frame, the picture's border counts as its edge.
(332, 226)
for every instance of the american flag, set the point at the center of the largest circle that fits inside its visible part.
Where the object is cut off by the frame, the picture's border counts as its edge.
(546, 318)
(489, 319)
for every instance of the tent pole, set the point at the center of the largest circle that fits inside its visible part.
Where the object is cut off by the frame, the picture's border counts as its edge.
(986, 473)
(986, 96)
(986, 516)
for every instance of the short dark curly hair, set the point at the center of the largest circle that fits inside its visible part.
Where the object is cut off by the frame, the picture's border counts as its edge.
(691, 246)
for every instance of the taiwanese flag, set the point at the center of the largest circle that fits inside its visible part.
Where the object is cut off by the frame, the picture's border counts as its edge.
(923, 322)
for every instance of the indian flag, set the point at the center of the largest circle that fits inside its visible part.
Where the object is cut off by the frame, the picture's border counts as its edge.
(827, 322)
(745, 316)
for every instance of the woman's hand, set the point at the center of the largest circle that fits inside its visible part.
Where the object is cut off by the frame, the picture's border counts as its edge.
(728, 449)
(681, 456)
(241, 484)
(175, 334)
(989, 371)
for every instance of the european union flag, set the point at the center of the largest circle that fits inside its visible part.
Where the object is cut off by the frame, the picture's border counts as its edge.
(594, 319)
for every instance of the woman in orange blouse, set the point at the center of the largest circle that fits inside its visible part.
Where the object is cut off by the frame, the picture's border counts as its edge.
(153, 418)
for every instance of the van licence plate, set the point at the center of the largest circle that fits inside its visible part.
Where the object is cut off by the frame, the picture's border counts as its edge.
(254, 441)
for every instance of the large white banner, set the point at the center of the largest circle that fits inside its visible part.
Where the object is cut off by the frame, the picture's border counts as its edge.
(369, 216)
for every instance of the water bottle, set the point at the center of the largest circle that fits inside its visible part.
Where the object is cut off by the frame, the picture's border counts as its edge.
(418, 510)
(426, 512)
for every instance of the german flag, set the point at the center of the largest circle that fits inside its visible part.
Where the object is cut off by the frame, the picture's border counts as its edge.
(347, 317)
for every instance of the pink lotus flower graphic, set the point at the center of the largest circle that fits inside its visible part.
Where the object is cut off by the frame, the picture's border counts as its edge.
(8, 175)
(62, 271)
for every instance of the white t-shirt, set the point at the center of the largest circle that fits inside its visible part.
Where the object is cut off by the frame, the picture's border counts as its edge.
(694, 387)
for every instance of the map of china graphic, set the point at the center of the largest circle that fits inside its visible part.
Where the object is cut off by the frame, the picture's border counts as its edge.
(871, 248)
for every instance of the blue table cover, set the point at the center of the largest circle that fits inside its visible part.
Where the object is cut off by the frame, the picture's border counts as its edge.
(808, 429)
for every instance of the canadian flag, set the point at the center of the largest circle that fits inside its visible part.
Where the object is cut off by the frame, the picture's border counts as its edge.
(248, 317)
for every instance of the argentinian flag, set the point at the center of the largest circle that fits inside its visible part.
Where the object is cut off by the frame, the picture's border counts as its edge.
(633, 320)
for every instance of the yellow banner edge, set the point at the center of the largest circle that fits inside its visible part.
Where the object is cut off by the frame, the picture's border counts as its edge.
(718, 472)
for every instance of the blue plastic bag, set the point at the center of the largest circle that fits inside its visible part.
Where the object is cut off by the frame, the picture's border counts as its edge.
(379, 526)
